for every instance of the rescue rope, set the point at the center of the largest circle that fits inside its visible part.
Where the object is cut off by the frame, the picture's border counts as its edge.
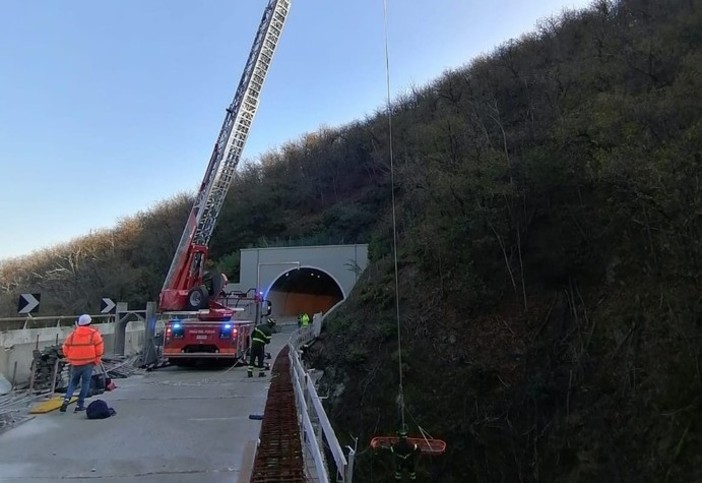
(425, 434)
(401, 395)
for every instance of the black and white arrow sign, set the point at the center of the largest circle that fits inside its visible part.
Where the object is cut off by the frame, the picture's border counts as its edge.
(28, 303)
(106, 306)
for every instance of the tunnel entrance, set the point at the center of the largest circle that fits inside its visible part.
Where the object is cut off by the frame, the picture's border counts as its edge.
(304, 290)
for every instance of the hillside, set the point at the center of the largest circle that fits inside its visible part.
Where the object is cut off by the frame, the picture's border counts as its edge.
(549, 261)
(549, 215)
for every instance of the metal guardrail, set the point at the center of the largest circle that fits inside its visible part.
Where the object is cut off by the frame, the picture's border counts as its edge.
(315, 425)
(47, 321)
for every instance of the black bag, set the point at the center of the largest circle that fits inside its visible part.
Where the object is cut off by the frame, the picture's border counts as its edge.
(99, 409)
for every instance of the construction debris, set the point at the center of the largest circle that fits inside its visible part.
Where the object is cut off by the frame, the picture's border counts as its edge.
(122, 366)
(50, 374)
(47, 362)
(14, 407)
(10, 420)
(12, 401)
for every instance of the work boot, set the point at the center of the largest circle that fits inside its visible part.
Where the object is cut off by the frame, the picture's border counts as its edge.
(250, 374)
(63, 407)
(79, 409)
(261, 374)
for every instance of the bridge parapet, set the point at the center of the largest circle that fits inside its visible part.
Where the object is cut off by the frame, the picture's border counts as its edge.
(315, 427)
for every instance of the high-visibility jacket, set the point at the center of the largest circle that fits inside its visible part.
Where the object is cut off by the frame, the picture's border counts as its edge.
(261, 335)
(305, 320)
(84, 346)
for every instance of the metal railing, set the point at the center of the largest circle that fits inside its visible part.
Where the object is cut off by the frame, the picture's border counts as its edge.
(315, 427)
(48, 321)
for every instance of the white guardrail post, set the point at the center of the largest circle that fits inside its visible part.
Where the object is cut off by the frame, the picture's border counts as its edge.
(309, 408)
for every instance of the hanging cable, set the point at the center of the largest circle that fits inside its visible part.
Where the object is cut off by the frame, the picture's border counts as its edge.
(401, 395)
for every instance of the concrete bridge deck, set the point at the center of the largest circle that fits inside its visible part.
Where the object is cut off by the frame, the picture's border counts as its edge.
(172, 425)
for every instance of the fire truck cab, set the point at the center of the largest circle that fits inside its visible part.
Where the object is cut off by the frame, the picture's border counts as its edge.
(188, 338)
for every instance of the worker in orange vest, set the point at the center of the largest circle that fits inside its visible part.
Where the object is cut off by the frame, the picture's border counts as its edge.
(84, 349)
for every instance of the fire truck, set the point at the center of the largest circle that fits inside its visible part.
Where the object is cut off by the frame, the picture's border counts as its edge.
(202, 320)
(190, 337)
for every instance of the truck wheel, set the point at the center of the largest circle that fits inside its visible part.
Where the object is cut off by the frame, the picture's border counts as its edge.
(197, 298)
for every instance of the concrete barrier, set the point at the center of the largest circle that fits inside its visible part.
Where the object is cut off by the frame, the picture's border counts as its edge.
(18, 345)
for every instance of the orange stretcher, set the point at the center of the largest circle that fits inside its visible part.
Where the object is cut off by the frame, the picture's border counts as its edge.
(432, 447)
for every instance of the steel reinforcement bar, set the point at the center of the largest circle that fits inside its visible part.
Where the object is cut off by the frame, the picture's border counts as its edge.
(279, 457)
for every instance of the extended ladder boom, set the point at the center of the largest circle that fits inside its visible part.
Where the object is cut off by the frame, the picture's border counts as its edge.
(187, 266)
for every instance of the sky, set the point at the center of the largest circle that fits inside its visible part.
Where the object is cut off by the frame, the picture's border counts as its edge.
(107, 108)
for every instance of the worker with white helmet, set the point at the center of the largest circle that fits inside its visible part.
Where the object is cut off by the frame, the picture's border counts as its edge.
(84, 349)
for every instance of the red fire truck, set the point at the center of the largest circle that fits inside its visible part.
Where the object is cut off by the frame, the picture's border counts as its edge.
(188, 338)
(202, 322)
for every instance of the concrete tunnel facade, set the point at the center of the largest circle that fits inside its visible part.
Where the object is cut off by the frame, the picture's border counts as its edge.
(301, 279)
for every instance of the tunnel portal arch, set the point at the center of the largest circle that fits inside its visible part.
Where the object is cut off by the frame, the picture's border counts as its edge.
(278, 273)
(306, 289)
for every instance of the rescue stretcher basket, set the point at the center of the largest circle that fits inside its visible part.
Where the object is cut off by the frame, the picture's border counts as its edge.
(432, 447)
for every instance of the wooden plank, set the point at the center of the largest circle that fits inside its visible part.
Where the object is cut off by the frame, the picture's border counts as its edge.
(50, 405)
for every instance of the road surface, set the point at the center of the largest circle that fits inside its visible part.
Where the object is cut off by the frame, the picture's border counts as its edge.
(172, 425)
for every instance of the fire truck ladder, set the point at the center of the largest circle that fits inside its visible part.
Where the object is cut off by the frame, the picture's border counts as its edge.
(186, 268)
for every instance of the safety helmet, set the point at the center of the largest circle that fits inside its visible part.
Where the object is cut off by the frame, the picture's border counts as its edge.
(402, 433)
(84, 319)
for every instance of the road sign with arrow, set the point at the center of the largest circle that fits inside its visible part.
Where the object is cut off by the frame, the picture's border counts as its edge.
(107, 306)
(28, 303)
